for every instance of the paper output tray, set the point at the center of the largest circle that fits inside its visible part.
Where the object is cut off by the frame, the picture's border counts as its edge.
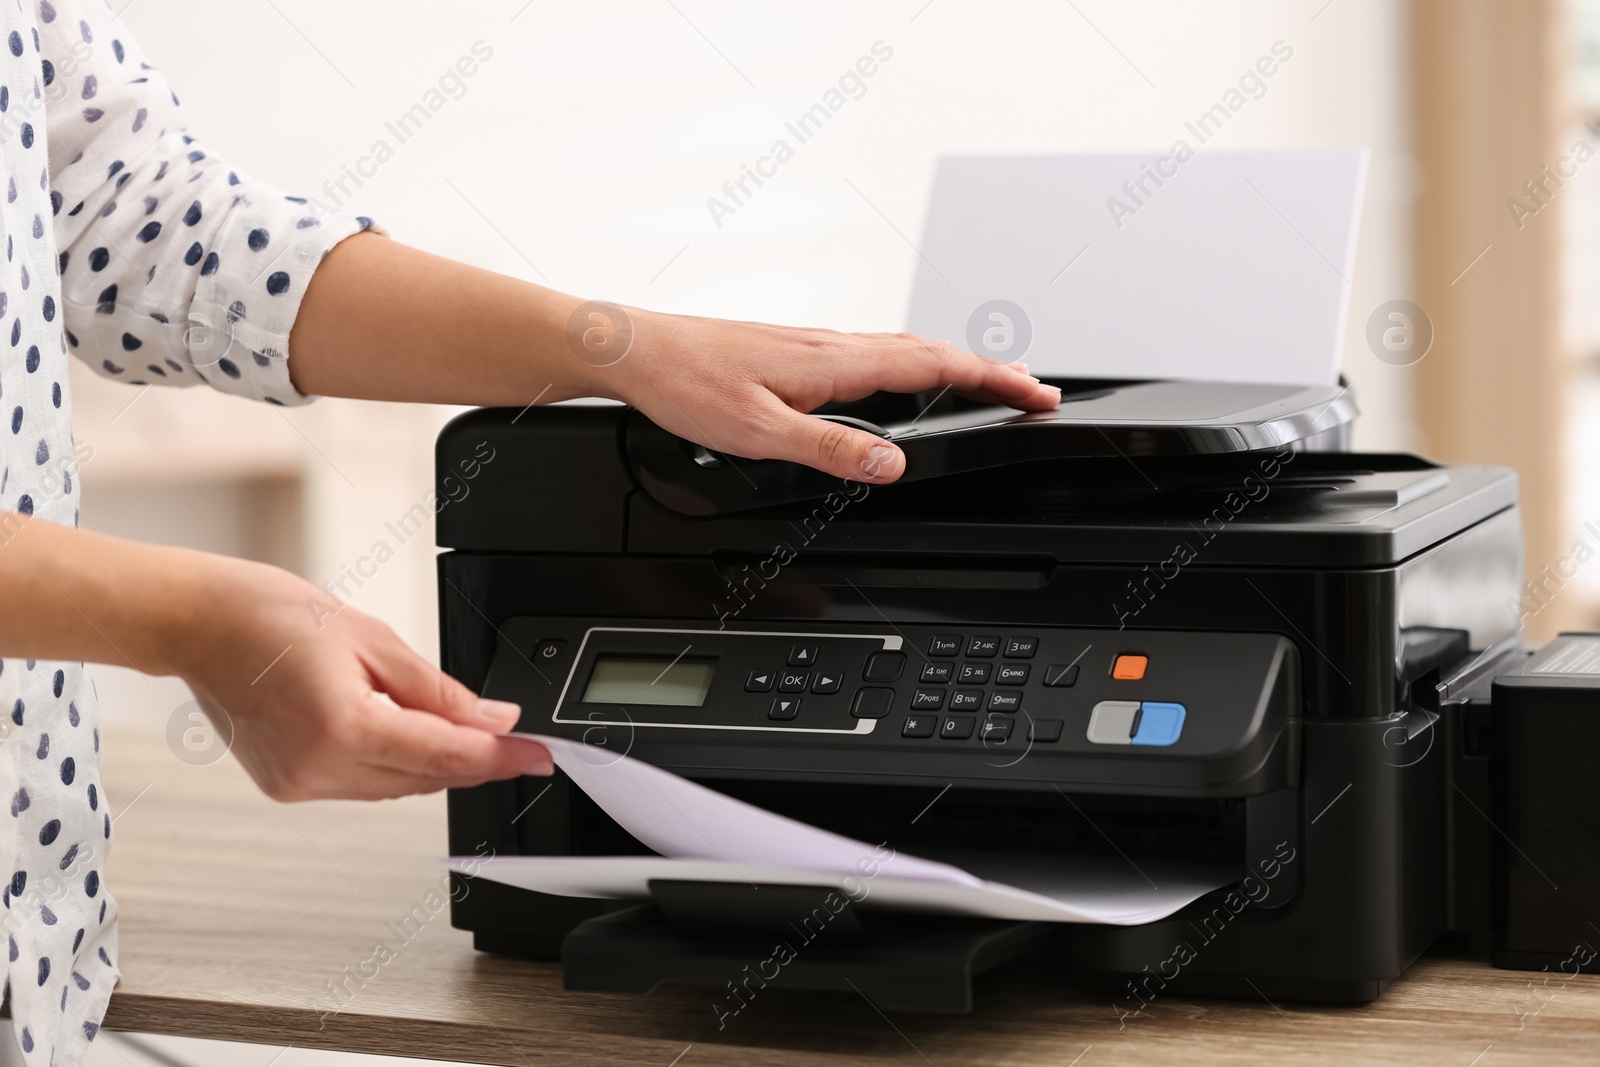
(1094, 419)
(739, 938)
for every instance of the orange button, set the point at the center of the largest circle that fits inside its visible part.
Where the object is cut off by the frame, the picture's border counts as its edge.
(1129, 668)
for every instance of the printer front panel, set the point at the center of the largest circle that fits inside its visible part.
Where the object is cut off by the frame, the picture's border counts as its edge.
(1176, 713)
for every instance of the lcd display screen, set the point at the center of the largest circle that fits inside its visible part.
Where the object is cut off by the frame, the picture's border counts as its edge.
(681, 682)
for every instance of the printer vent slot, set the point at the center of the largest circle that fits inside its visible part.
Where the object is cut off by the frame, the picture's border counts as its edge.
(929, 572)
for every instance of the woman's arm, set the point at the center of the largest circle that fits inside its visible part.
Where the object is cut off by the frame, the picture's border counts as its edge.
(381, 321)
(179, 269)
(321, 704)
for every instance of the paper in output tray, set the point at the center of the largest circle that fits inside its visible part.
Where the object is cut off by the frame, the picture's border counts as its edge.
(702, 835)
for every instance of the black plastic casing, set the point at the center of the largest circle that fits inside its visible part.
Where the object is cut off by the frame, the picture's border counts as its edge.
(1545, 805)
(1380, 595)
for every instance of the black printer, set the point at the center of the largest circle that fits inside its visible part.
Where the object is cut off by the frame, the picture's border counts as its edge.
(1167, 623)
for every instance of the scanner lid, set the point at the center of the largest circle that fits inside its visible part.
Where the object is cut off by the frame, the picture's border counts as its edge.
(1096, 418)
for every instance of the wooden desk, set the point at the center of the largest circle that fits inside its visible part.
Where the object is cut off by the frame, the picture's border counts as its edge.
(236, 912)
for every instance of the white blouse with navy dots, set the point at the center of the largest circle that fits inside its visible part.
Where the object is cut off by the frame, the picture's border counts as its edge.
(154, 262)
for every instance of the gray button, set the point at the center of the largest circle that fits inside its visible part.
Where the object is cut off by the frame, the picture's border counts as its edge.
(1111, 722)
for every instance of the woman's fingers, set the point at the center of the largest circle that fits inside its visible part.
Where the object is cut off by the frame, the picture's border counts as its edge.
(413, 682)
(441, 734)
(780, 432)
(914, 364)
(744, 388)
(428, 747)
(777, 430)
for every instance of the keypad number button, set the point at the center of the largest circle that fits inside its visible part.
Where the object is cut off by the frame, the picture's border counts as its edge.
(974, 673)
(983, 646)
(1011, 674)
(1008, 702)
(944, 645)
(957, 727)
(1020, 647)
(966, 700)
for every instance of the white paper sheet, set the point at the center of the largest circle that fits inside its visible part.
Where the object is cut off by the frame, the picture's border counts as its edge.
(684, 820)
(1096, 891)
(1235, 267)
(706, 836)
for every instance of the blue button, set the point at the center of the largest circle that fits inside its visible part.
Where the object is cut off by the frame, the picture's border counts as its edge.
(1159, 724)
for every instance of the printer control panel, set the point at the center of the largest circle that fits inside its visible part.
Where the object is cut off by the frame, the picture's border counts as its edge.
(908, 687)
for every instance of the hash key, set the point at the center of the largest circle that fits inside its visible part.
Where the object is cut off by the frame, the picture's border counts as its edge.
(996, 731)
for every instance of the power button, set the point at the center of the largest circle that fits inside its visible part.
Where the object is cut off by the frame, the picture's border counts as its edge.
(548, 651)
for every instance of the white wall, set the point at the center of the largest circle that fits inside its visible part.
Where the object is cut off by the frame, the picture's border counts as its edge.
(583, 152)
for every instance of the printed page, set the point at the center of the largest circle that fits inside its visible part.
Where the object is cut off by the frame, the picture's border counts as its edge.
(703, 835)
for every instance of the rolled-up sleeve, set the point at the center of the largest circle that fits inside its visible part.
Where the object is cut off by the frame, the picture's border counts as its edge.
(176, 268)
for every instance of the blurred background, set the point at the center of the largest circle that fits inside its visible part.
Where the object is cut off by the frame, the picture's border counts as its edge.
(583, 149)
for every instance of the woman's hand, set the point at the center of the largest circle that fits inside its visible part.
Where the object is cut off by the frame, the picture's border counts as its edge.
(745, 388)
(322, 700)
(381, 321)
(326, 702)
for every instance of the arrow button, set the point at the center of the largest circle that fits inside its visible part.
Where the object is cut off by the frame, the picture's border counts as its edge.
(784, 708)
(826, 683)
(759, 681)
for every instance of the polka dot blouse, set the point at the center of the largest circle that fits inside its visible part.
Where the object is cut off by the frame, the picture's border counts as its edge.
(130, 246)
